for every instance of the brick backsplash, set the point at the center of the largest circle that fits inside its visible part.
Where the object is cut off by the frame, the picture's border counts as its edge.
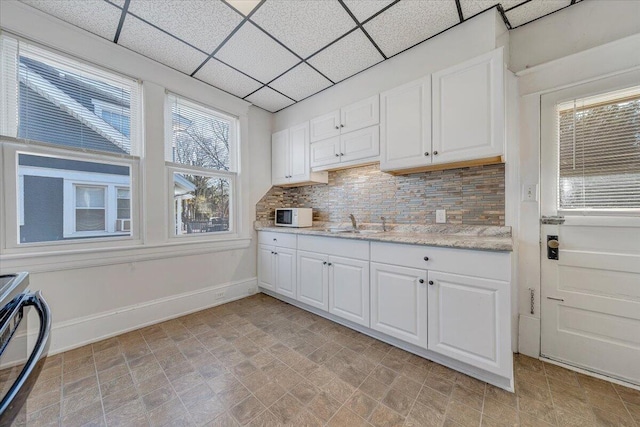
(472, 196)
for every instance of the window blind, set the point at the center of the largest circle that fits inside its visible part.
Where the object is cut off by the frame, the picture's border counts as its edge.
(54, 99)
(599, 152)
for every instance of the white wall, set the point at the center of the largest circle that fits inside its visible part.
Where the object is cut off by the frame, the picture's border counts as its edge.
(124, 289)
(558, 40)
(470, 39)
(582, 26)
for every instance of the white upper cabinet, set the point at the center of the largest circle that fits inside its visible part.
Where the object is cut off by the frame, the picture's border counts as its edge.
(325, 152)
(405, 126)
(290, 158)
(355, 116)
(455, 115)
(347, 149)
(468, 110)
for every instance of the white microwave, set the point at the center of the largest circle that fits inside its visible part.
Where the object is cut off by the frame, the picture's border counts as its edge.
(294, 217)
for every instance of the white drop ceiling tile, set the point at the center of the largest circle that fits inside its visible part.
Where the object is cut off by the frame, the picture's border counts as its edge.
(256, 54)
(533, 10)
(346, 57)
(153, 43)
(203, 24)
(300, 82)
(363, 9)
(95, 16)
(410, 22)
(226, 78)
(244, 6)
(269, 99)
(473, 7)
(304, 26)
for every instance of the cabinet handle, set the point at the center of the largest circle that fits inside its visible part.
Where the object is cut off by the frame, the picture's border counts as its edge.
(421, 280)
(426, 153)
(431, 282)
(337, 155)
(435, 153)
(426, 258)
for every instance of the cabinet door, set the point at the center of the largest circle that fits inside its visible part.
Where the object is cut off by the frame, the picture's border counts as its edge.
(299, 143)
(326, 126)
(405, 126)
(360, 115)
(468, 110)
(313, 281)
(349, 289)
(285, 261)
(468, 320)
(399, 302)
(266, 267)
(325, 152)
(360, 144)
(280, 157)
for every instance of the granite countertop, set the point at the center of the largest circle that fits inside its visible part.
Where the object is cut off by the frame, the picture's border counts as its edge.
(491, 238)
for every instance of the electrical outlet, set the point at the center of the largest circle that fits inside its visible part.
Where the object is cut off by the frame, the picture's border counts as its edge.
(530, 192)
(441, 216)
(219, 295)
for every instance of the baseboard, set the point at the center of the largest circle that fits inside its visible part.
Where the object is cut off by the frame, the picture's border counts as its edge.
(89, 329)
(529, 336)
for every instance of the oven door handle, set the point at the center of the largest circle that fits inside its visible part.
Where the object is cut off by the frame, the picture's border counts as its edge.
(41, 348)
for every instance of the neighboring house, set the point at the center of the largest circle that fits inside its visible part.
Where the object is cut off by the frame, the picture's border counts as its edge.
(183, 190)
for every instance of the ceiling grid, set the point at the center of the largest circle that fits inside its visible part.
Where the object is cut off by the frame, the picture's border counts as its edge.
(274, 53)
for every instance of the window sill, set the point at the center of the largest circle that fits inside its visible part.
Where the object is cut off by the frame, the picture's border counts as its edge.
(69, 259)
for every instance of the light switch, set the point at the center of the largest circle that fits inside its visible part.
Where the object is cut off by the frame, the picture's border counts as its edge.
(441, 216)
(530, 192)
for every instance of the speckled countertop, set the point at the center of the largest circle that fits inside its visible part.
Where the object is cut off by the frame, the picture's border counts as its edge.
(489, 238)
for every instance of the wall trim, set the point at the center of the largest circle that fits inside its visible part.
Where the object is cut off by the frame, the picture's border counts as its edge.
(78, 332)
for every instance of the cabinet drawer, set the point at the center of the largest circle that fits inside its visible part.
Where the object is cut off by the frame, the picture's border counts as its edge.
(277, 239)
(356, 249)
(492, 265)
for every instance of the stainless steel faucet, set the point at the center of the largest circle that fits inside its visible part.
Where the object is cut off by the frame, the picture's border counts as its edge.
(384, 223)
(353, 221)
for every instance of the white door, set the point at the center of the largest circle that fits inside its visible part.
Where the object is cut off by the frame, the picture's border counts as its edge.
(280, 157)
(299, 143)
(313, 280)
(349, 289)
(468, 110)
(326, 126)
(325, 152)
(590, 295)
(405, 126)
(285, 264)
(399, 302)
(464, 320)
(360, 144)
(360, 114)
(266, 267)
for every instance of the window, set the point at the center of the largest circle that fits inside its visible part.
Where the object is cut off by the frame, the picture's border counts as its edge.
(76, 182)
(599, 152)
(201, 151)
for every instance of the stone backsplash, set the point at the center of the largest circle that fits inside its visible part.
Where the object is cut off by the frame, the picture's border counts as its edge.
(471, 196)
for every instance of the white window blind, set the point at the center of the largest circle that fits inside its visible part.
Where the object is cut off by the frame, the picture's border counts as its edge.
(599, 152)
(201, 136)
(51, 98)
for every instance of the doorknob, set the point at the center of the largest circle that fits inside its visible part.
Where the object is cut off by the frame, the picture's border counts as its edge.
(553, 246)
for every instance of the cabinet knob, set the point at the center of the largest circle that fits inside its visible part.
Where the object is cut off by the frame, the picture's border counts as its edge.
(426, 258)
(275, 253)
(431, 282)
(275, 240)
(337, 127)
(337, 155)
(330, 264)
(435, 153)
(272, 252)
(426, 153)
(421, 280)
(341, 125)
(324, 262)
(341, 154)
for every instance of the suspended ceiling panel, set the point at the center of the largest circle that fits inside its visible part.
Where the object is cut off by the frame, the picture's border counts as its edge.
(274, 53)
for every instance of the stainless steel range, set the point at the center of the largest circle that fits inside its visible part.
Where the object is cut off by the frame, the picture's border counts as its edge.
(20, 363)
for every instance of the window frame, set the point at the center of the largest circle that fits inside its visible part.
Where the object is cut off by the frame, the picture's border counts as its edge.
(232, 175)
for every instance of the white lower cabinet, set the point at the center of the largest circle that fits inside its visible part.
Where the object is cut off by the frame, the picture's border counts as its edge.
(399, 302)
(266, 267)
(277, 269)
(349, 289)
(313, 279)
(469, 320)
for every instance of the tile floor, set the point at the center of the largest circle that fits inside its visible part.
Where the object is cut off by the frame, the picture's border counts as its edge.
(261, 362)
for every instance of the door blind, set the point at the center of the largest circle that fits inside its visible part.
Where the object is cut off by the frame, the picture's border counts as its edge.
(599, 152)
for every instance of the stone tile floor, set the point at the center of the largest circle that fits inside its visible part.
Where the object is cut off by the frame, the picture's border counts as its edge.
(261, 362)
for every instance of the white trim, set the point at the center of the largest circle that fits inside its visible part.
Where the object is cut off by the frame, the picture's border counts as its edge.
(85, 330)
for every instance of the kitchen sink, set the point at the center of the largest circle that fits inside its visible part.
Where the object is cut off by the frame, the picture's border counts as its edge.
(350, 230)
